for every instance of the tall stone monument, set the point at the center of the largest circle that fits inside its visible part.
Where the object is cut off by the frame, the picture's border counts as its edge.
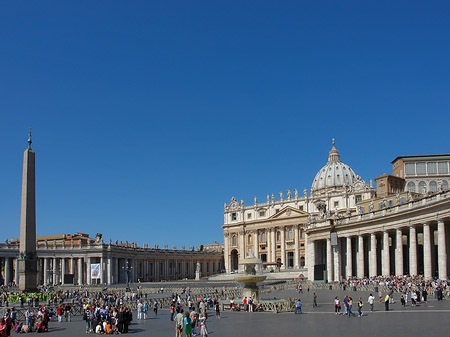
(27, 250)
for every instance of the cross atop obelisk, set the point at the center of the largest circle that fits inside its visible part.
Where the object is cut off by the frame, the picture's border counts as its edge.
(27, 248)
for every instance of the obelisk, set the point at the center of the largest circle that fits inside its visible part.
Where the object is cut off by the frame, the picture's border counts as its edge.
(27, 248)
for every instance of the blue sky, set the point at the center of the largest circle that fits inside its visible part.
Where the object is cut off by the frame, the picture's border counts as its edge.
(147, 116)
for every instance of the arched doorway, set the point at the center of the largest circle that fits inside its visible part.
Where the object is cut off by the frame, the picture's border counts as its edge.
(234, 260)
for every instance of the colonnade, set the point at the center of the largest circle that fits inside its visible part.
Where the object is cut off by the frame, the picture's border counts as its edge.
(419, 249)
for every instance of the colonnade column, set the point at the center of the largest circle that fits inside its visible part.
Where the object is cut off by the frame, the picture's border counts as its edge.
(426, 251)
(102, 272)
(7, 270)
(55, 271)
(296, 243)
(63, 269)
(16, 271)
(80, 270)
(385, 265)
(88, 271)
(349, 266)
(46, 267)
(360, 256)
(283, 248)
(108, 270)
(269, 247)
(373, 256)
(116, 270)
(399, 252)
(412, 251)
(329, 261)
(442, 251)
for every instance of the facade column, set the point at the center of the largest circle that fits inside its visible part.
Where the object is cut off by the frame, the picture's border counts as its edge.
(337, 261)
(349, 265)
(412, 251)
(311, 259)
(256, 243)
(283, 247)
(373, 255)
(108, 270)
(360, 257)
(329, 261)
(63, 269)
(16, 271)
(273, 245)
(296, 244)
(226, 252)
(426, 251)
(242, 252)
(46, 270)
(8, 271)
(80, 270)
(399, 253)
(442, 251)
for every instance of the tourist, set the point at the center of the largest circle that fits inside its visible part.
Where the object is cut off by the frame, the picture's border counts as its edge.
(350, 305)
(337, 306)
(29, 318)
(298, 307)
(371, 301)
(140, 308)
(60, 312)
(188, 325)
(155, 306)
(314, 300)
(250, 304)
(402, 300)
(360, 305)
(345, 305)
(193, 316)
(179, 322)
(217, 308)
(202, 322)
(67, 313)
(145, 310)
(413, 298)
(172, 311)
(3, 328)
(386, 303)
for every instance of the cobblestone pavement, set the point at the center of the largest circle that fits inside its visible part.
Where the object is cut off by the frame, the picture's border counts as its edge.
(431, 319)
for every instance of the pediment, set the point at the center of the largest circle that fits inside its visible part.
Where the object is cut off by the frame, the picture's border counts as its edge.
(288, 212)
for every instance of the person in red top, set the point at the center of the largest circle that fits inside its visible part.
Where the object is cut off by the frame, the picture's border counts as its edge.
(60, 312)
(3, 328)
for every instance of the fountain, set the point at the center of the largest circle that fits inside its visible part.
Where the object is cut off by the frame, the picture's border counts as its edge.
(250, 279)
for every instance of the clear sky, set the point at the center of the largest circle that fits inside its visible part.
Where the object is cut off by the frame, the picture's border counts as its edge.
(149, 115)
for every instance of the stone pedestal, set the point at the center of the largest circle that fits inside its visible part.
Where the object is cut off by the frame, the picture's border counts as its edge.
(28, 275)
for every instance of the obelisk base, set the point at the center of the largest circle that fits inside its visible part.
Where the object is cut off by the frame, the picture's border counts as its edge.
(28, 279)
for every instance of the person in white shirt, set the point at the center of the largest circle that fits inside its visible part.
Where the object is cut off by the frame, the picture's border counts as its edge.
(371, 300)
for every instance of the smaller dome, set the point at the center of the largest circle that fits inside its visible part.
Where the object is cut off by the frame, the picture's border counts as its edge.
(334, 174)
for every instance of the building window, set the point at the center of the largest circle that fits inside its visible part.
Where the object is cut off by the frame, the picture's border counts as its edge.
(300, 208)
(302, 261)
(302, 234)
(233, 216)
(263, 237)
(390, 203)
(380, 205)
(431, 168)
(290, 234)
(422, 187)
(249, 215)
(411, 187)
(249, 239)
(433, 186)
(421, 168)
(278, 236)
(358, 198)
(443, 167)
(336, 204)
(445, 185)
(234, 240)
(410, 169)
(262, 213)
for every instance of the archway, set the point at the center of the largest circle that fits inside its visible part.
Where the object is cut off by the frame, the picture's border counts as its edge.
(234, 260)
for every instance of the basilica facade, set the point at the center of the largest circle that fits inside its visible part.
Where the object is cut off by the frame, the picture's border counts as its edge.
(345, 227)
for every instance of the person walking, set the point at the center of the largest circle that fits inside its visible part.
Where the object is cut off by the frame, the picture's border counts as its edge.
(360, 305)
(188, 325)
(155, 307)
(172, 312)
(350, 305)
(337, 306)
(202, 322)
(314, 300)
(179, 322)
(371, 301)
(345, 305)
(298, 307)
(217, 308)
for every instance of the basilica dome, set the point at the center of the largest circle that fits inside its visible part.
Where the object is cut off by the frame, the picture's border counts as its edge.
(334, 174)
